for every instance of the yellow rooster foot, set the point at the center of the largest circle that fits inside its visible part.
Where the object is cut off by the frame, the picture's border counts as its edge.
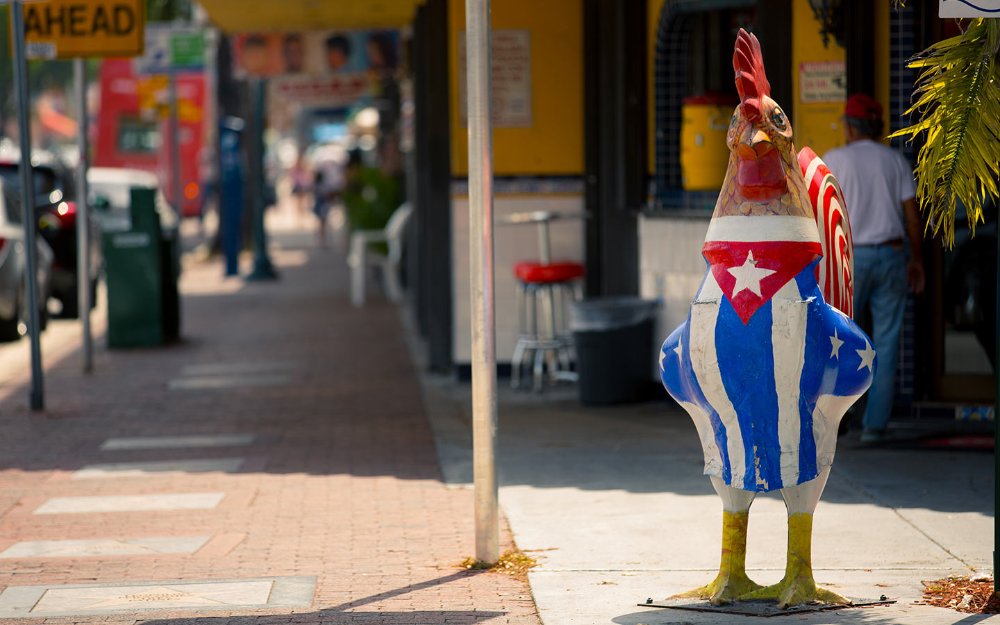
(792, 591)
(725, 588)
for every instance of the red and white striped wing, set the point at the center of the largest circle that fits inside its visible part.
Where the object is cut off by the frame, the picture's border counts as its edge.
(836, 270)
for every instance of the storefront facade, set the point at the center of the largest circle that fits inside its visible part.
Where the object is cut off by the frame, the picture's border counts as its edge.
(607, 107)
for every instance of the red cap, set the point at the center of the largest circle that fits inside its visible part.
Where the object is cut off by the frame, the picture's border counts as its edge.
(862, 106)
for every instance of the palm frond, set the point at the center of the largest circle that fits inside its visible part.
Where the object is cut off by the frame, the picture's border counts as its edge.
(957, 108)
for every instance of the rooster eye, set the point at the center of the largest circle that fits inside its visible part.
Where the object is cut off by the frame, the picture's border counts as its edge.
(778, 119)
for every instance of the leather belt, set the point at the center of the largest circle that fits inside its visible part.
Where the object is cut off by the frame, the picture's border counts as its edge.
(897, 242)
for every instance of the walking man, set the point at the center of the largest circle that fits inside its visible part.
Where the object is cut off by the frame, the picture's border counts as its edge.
(878, 187)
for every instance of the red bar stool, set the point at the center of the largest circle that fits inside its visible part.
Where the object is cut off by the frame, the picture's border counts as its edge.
(544, 289)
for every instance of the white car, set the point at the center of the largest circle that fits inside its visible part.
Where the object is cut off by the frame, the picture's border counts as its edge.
(109, 192)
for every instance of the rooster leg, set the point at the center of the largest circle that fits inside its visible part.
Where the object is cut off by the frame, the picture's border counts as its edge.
(732, 580)
(798, 586)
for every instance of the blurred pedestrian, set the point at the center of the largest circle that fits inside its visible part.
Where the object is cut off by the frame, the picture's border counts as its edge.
(329, 182)
(301, 177)
(878, 187)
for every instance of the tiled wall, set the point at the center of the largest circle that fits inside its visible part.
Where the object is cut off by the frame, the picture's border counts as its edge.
(671, 267)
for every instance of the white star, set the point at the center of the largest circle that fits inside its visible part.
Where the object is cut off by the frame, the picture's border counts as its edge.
(836, 342)
(867, 357)
(748, 276)
(679, 350)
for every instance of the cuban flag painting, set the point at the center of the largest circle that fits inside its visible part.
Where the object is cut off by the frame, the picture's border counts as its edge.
(763, 365)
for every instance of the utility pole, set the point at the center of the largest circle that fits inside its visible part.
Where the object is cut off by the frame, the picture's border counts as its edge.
(37, 397)
(484, 370)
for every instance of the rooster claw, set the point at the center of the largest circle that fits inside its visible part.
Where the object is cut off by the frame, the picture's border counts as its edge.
(724, 589)
(795, 591)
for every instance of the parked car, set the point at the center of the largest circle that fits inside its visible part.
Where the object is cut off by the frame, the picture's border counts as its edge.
(55, 209)
(13, 269)
(109, 191)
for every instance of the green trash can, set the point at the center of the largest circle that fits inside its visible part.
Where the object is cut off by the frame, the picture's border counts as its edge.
(142, 266)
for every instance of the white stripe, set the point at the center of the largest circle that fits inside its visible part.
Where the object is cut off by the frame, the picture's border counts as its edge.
(788, 330)
(705, 362)
(710, 290)
(830, 409)
(759, 228)
(811, 170)
(703, 423)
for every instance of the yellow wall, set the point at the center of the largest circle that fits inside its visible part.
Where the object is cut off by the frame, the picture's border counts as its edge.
(817, 125)
(653, 18)
(554, 143)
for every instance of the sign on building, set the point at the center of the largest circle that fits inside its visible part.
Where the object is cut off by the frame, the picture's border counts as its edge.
(512, 99)
(822, 81)
(67, 29)
(969, 8)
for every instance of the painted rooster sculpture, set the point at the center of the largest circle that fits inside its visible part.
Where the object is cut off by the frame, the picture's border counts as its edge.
(764, 365)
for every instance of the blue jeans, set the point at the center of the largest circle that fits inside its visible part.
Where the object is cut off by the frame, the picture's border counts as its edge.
(880, 288)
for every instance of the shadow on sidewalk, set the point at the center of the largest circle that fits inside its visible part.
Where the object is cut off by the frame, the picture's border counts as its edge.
(845, 616)
(326, 388)
(349, 612)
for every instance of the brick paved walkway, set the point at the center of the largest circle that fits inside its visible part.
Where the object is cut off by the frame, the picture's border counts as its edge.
(340, 482)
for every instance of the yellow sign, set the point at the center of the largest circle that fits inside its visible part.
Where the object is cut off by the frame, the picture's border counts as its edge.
(153, 95)
(154, 101)
(66, 29)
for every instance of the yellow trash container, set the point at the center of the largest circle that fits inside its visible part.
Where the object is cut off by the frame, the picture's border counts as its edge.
(704, 154)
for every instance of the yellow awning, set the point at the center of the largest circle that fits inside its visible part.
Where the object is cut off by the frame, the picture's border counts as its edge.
(235, 16)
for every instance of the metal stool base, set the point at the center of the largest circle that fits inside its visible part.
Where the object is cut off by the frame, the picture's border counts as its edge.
(542, 345)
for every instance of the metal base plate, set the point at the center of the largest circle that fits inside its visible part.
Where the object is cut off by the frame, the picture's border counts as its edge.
(760, 608)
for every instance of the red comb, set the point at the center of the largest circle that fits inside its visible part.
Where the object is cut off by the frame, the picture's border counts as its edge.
(751, 81)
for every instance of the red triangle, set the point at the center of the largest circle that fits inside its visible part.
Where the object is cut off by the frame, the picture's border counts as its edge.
(785, 258)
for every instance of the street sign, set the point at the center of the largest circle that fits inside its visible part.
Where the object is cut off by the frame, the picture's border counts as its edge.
(155, 58)
(969, 8)
(188, 50)
(171, 47)
(66, 29)
(153, 95)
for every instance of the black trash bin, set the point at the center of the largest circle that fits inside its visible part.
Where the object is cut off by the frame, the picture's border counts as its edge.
(614, 348)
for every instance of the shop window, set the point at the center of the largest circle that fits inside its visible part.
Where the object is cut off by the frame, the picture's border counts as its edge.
(693, 57)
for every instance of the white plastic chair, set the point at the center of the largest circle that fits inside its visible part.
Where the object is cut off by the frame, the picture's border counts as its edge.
(361, 256)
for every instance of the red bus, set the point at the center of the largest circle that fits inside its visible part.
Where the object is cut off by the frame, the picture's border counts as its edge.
(132, 128)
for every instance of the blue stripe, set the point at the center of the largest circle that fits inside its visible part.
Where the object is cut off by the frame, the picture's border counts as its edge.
(850, 380)
(815, 371)
(806, 281)
(746, 361)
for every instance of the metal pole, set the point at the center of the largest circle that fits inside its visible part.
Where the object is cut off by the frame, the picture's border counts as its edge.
(175, 144)
(83, 217)
(484, 371)
(996, 427)
(28, 204)
(262, 267)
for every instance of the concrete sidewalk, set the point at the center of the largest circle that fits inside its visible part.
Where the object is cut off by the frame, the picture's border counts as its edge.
(613, 503)
(277, 467)
(274, 467)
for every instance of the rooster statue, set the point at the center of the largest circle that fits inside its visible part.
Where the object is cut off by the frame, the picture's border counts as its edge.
(764, 365)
